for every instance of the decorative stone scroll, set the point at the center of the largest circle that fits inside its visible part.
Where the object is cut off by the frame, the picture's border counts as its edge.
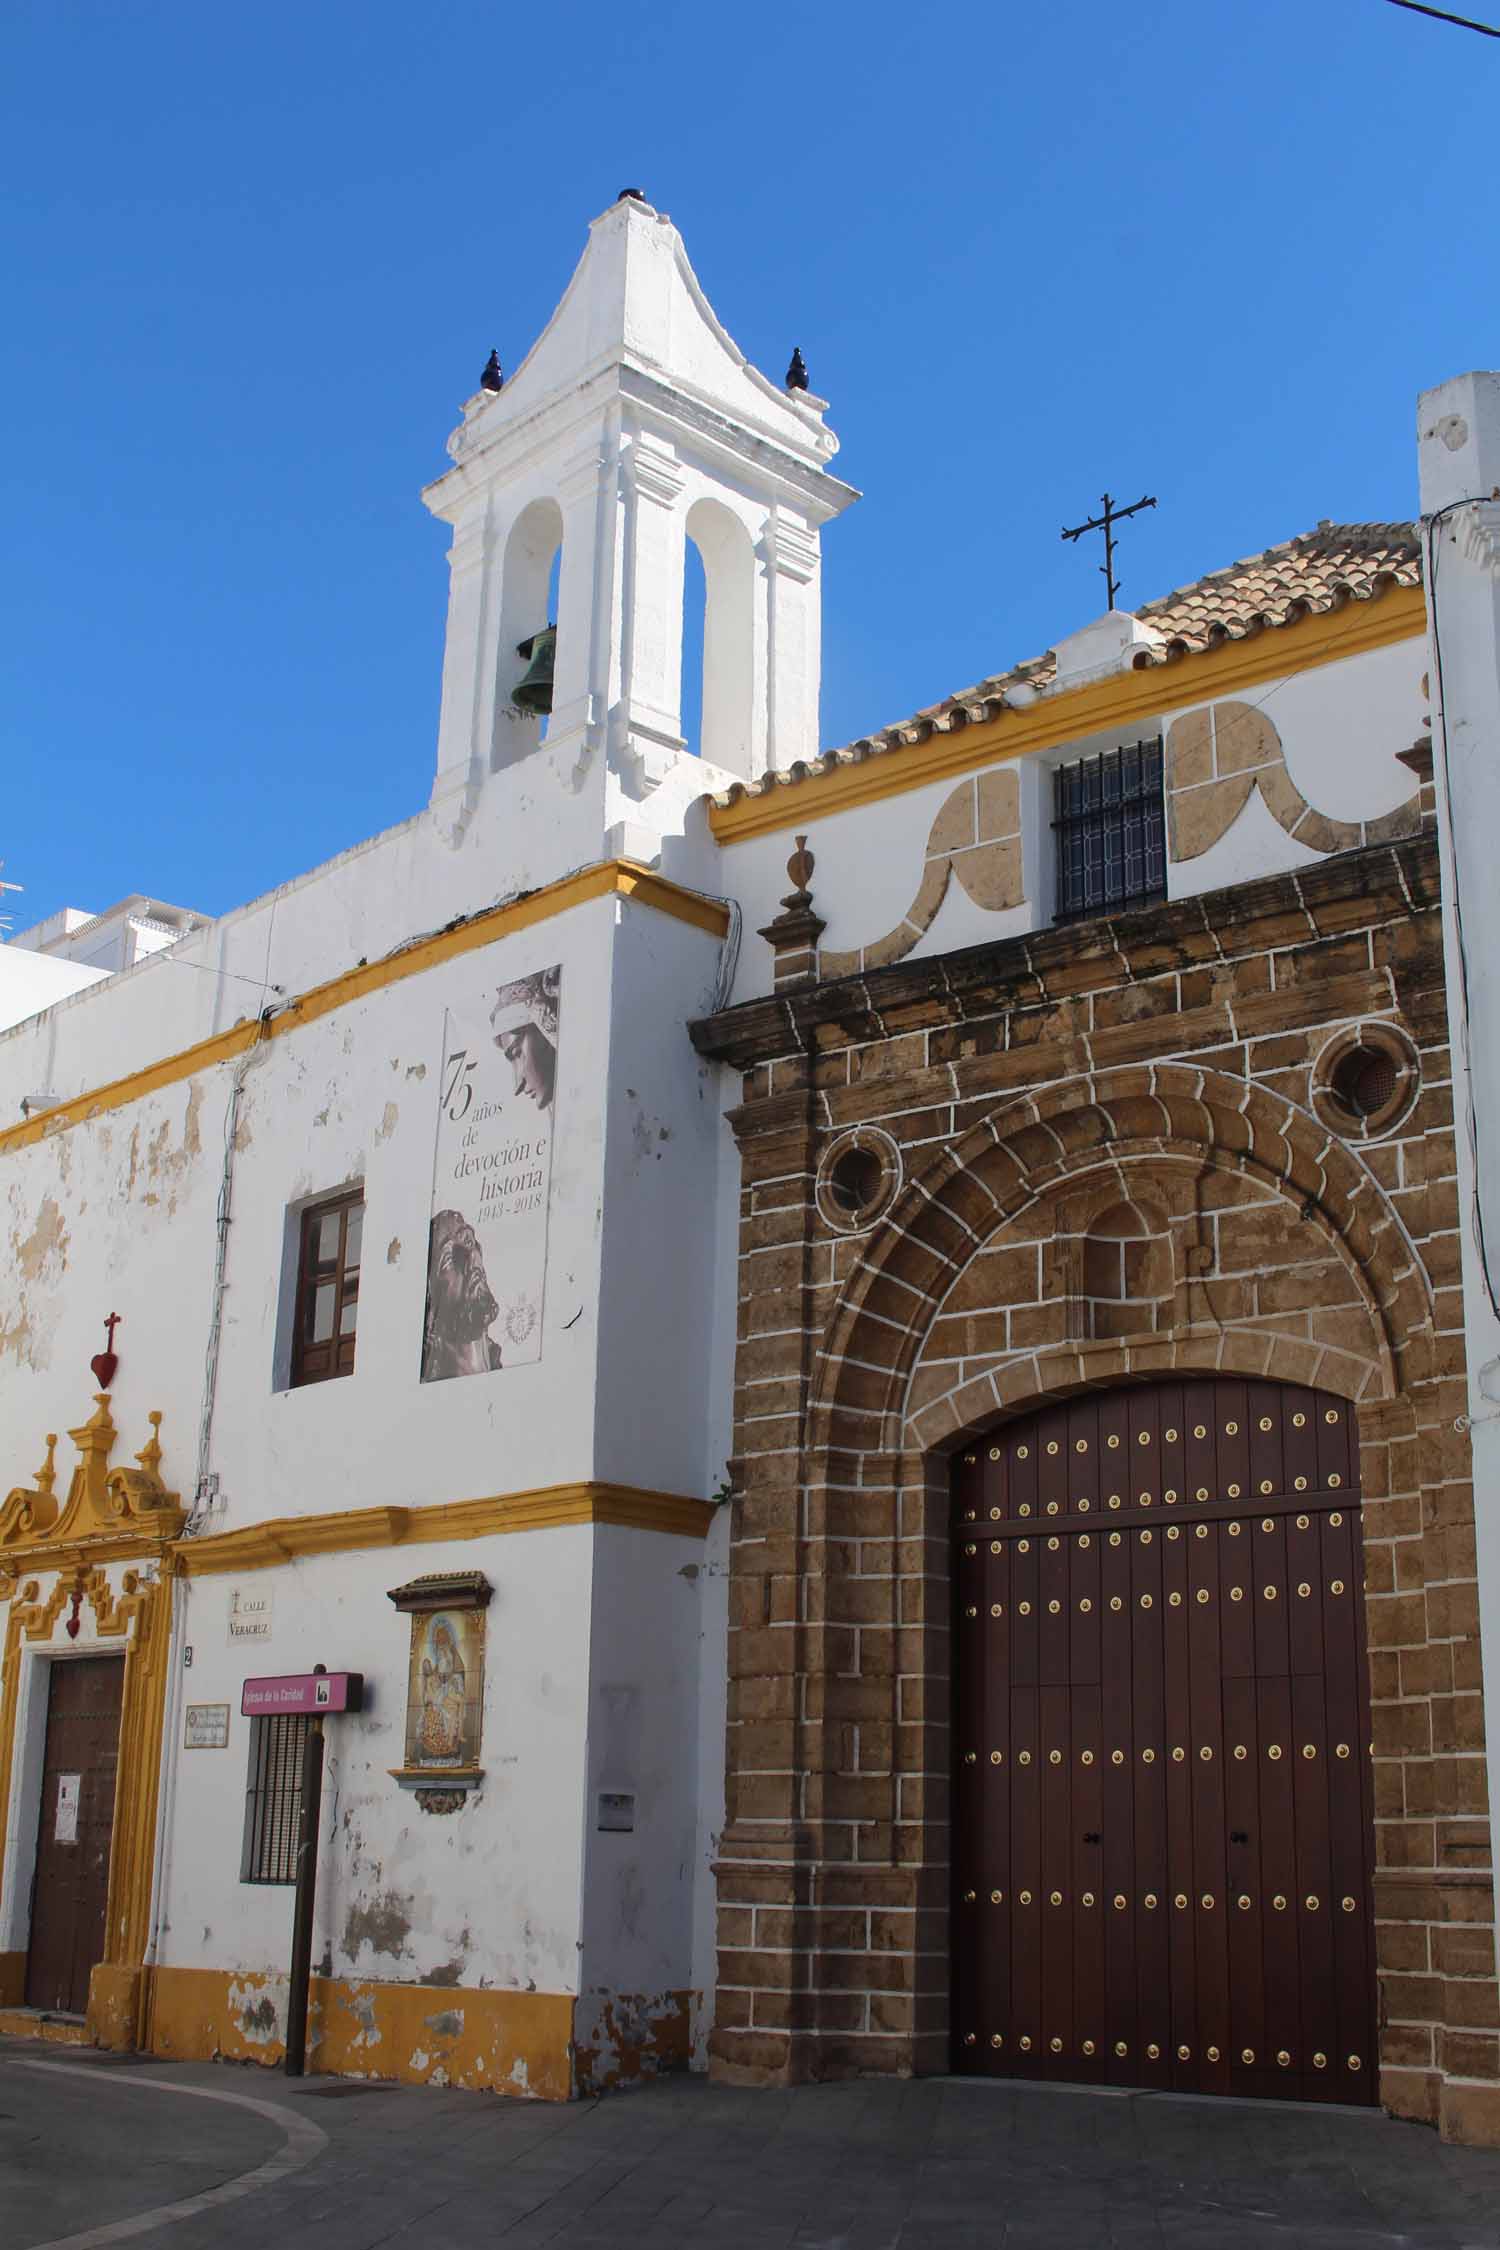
(101, 1502)
(976, 837)
(1218, 756)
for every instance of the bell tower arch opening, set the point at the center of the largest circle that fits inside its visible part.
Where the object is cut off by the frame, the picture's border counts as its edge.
(529, 576)
(722, 636)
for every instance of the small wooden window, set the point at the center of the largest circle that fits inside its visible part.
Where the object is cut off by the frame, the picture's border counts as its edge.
(327, 1289)
(273, 1798)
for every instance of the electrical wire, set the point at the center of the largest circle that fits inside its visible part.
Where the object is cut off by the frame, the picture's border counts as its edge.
(1430, 550)
(206, 969)
(729, 955)
(1441, 15)
(221, 1252)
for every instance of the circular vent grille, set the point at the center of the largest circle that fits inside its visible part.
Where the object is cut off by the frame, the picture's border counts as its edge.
(1365, 1080)
(854, 1179)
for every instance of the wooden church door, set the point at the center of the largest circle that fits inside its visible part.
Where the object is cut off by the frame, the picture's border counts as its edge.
(1163, 1818)
(74, 1828)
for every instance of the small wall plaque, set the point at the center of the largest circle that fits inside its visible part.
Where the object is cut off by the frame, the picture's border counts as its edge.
(251, 1610)
(206, 1727)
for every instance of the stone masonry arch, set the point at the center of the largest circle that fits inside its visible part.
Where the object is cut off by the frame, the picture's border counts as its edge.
(1138, 1121)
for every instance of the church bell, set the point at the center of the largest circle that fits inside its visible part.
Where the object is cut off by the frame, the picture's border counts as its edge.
(533, 690)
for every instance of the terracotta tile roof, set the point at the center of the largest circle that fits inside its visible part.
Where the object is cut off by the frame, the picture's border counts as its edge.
(1321, 570)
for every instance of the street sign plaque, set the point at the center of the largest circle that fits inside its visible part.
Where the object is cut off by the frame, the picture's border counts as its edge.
(302, 1691)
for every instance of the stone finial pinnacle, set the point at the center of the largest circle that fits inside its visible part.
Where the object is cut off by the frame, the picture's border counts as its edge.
(492, 379)
(796, 374)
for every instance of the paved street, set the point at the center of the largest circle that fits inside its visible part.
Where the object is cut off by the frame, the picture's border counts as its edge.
(95, 2150)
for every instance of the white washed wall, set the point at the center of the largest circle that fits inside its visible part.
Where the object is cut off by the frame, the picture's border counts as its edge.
(119, 1214)
(490, 1895)
(643, 1741)
(660, 1420)
(1341, 725)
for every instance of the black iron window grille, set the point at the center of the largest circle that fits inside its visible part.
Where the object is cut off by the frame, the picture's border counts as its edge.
(1110, 822)
(273, 1797)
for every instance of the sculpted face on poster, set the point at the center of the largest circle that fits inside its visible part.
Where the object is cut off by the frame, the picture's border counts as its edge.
(492, 1179)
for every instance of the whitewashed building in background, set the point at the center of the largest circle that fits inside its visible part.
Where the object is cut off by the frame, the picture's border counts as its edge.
(73, 948)
(438, 1319)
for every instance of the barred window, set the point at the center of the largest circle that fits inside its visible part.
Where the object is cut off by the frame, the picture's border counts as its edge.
(327, 1288)
(1111, 831)
(273, 1797)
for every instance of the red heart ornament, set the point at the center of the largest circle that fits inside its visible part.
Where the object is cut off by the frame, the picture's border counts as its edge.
(104, 1365)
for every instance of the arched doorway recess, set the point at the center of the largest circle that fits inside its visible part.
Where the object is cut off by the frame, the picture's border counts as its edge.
(1163, 1816)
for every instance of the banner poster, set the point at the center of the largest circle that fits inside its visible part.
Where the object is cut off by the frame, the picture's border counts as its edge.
(492, 1178)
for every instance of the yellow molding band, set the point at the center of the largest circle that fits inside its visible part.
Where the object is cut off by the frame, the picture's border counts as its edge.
(1121, 700)
(611, 878)
(282, 1539)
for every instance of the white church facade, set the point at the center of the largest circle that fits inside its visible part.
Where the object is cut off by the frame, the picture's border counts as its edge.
(630, 1262)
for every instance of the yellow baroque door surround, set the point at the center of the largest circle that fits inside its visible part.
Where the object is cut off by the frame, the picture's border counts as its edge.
(105, 1552)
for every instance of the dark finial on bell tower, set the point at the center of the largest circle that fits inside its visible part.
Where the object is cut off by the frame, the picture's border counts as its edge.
(796, 374)
(631, 195)
(491, 379)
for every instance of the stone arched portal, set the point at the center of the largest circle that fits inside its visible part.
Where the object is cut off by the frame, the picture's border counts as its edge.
(874, 1342)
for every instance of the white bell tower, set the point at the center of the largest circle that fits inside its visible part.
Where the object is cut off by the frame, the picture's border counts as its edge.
(632, 426)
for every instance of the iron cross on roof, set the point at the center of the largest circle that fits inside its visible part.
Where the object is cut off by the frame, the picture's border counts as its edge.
(1106, 523)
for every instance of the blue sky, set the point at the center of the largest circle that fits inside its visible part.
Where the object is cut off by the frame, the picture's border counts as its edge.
(255, 258)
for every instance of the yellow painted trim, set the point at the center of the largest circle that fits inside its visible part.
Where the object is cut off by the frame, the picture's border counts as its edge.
(506, 2042)
(282, 1539)
(1122, 700)
(610, 878)
(547, 2045)
(145, 1606)
(103, 1505)
(48, 2031)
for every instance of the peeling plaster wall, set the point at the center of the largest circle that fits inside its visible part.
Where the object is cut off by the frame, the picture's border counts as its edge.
(487, 1897)
(123, 1205)
(118, 1213)
(356, 1097)
(639, 2006)
(643, 1742)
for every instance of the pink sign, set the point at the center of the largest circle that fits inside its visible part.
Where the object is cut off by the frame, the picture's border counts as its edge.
(302, 1691)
